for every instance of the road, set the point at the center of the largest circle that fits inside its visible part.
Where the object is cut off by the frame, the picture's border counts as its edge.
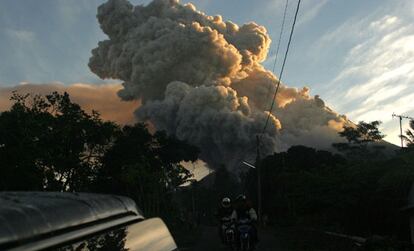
(209, 241)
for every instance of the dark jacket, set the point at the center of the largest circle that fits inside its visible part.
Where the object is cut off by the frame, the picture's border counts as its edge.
(224, 212)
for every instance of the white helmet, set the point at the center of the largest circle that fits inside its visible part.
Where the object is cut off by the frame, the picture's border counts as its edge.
(226, 202)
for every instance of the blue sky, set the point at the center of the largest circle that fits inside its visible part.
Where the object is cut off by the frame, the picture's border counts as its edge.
(357, 55)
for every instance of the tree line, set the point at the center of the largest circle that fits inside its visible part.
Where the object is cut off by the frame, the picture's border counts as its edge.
(49, 143)
(359, 189)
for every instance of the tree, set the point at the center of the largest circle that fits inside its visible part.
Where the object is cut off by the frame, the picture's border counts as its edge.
(319, 189)
(145, 167)
(50, 143)
(359, 137)
(295, 183)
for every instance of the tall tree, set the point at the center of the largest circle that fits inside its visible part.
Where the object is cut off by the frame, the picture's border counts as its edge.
(50, 143)
(145, 167)
(359, 137)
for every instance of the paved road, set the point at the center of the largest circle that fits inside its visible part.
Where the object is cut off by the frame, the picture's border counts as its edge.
(209, 241)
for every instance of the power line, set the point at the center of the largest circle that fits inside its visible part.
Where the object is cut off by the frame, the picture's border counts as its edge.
(278, 43)
(258, 157)
(283, 67)
(280, 35)
(276, 55)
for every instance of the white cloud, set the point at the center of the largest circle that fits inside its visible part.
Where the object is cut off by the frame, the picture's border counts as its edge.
(384, 23)
(379, 77)
(384, 93)
(310, 10)
(377, 74)
(21, 35)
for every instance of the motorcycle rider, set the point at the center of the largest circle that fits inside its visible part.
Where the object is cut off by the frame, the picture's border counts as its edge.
(223, 214)
(244, 210)
(225, 209)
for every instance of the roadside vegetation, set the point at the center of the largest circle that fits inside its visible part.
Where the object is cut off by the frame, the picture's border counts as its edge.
(48, 143)
(358, 191)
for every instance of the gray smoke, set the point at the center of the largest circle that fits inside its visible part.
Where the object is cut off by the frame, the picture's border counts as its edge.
(200, 78)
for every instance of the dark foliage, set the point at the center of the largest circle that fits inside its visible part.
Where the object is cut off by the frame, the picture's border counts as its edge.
(409, 137)
(360, 139)
(320, 190)
(145, 167)
(50, 143)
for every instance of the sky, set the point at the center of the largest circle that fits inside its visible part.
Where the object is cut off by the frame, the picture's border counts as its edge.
(357, 55)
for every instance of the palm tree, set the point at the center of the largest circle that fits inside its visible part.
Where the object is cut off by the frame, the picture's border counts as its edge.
(409, 137)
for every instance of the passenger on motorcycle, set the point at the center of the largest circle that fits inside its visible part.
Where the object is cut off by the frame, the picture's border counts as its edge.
(223, 214)
(244, 211)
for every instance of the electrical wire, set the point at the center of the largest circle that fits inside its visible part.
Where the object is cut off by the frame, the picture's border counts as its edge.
(278, 45)
(276, 54)
(280, 35)
(282, 68)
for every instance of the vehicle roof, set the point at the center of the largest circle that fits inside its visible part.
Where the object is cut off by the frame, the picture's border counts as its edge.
(25, 215)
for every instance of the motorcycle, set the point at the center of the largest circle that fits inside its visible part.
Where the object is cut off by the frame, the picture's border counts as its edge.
(245, 242)
(228, 231)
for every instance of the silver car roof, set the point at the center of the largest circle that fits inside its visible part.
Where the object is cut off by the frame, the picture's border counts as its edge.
(26, 215)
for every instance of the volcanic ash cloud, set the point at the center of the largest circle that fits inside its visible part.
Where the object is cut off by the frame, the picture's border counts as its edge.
(200, 78)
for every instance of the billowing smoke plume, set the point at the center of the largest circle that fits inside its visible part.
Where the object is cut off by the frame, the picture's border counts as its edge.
(200, 78)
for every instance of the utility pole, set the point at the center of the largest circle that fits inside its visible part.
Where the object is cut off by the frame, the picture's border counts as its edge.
(401, 117)
(259, 180)
(257, 166)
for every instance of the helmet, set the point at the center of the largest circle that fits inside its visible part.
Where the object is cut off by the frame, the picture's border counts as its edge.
(226, 202)
(241, 197)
